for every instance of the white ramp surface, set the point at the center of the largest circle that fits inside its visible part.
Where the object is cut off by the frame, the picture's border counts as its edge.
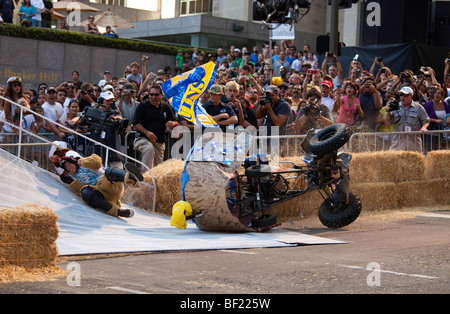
(84, 230)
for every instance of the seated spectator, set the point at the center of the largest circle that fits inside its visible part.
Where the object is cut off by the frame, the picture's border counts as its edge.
(110, 33)
(26, 12)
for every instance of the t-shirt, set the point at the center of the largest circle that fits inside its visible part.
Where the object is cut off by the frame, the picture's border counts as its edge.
(28, 11)
(154, 118)
(137, 78)
(6, 8)
(281, 107)
(53, 112)
(221, 108)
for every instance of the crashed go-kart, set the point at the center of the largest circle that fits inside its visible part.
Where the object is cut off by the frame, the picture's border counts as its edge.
(233, 192)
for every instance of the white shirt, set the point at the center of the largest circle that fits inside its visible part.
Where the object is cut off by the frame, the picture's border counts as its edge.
(53, 112)
(39, 5)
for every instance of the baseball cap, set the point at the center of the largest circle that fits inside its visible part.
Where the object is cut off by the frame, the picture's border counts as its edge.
(407, 90)
(216, 89)
(272, 89)
(327, 83)
(107, 95)
(50, 88)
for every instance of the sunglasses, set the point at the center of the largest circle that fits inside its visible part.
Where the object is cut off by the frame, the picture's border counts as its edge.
(154, 95)
(16, 84)
(70, 86)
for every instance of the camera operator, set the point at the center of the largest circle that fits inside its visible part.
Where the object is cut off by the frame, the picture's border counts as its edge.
(274, 110)
(314, 115)
(407, 116)
(106, 130)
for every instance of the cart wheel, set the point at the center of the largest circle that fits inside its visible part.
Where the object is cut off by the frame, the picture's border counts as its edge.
(329, 139)
(340, 215)
(264, 221)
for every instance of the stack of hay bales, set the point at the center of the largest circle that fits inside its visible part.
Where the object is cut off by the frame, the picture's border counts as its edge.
(396, 179)
(27, 237)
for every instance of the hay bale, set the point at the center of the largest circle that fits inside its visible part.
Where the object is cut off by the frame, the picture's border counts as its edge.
(27, 236)
(377, 195)
(436, 166)
(390, 166)
(167, 176)
(424, 193)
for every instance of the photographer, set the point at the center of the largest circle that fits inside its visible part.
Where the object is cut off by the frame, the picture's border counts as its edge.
(371, 103)
(274, 110)
(407, 116)
(314, 115)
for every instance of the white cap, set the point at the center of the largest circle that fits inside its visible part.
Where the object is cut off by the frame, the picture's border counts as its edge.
(407, 90)
(107, 95)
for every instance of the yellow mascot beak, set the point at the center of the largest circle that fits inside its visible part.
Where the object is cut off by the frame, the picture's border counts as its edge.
(179, 212)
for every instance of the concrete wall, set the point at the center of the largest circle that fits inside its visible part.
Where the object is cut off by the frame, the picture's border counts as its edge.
(37, 61)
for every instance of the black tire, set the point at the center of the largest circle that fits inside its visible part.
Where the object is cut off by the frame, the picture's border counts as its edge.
(329, 139)
(336, 217)
(257, 171)
(264, 221)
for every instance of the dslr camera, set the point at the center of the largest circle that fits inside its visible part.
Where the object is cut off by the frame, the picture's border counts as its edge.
(394, 105)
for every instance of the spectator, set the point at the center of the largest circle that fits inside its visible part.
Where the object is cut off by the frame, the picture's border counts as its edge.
(91, 27)
(14, 92)
(39, 6)
(291, 54)
(437, 109)
(297, 63)
(314, 115)
(61, 96)
(71, 94)
(106, 78)
(281, 62)
(127, 104)
(254, 56)
(348, 105)
(231, 98)
(86, 96)
(53, 110)
(110, 33)
(220, 112)
(135, 77)
(179, 61)
(237, 57)
(276, 53)
(334, 70)
(221, 56)
(370, 100)
(47, 14)
(410, 116)
(26, 12)
(76, 80)
(7, 11)
(151, 120)
(326, 87)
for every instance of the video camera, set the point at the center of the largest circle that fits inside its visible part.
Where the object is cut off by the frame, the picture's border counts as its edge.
(279, 11)
(98, 119)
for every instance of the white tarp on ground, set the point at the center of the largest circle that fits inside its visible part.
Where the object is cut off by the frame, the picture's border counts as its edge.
(83, 230)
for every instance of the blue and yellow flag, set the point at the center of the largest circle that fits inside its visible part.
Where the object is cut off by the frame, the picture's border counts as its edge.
(184, 91)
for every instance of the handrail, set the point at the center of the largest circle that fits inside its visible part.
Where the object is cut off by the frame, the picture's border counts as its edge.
(21, 130)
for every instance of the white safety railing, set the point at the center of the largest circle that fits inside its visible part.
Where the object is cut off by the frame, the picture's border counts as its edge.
(45, 141)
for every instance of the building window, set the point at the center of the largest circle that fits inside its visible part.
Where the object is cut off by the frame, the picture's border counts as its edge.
(188, 7)
(120, 3)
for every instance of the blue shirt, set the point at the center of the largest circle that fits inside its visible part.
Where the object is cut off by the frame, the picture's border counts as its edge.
(28, 11)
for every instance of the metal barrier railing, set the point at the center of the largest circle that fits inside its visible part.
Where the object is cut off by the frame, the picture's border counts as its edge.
(46, 142)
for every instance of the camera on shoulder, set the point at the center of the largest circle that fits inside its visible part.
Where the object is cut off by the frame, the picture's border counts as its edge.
(98, 119)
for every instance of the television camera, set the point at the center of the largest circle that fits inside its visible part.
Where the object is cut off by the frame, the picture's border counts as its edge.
(279, 11)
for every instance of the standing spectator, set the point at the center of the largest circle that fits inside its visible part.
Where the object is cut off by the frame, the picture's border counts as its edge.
(231, 98)
(179, 61)
(135, 77)
(151, 120)
(26, 12)
(347, 105)
(47, 14)
(371, 103)
(39, 6)
(437, 109)
(7, 10)
(127, 104)
(254, 55)
(106, 78)
(76, 80)
(281, 62)
(335, 69)
(91, 27)
(14, 92)
(410, 116)
(53, 111)
(221, 57)
(86, 96)
(297, 63)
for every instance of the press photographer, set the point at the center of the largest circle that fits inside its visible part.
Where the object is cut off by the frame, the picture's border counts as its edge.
(105, 125)
(274, 110)
(314, 115)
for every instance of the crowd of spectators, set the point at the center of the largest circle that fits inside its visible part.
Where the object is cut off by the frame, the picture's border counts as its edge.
(283, 87)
